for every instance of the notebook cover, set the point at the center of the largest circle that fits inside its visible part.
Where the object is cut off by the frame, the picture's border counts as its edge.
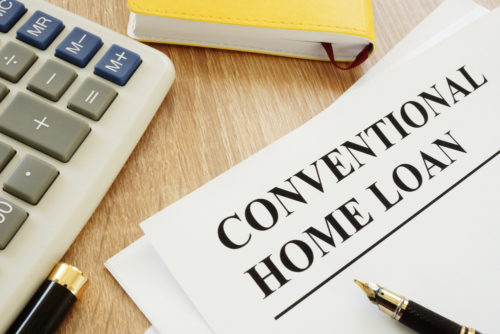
(350, 17)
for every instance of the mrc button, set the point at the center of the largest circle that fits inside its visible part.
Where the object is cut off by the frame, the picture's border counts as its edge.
(10, 12)
(40, 30)
(117, 65)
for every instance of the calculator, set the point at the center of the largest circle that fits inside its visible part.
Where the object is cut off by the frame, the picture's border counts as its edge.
(75, 98)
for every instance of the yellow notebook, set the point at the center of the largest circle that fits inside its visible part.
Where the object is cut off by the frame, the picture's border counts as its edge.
(294, 28)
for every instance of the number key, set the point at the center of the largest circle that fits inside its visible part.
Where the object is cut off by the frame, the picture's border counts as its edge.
(6, 153)
(12, 218)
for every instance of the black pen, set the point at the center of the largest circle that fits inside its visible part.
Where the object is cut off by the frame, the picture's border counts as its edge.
(411, 314)
(53, 299)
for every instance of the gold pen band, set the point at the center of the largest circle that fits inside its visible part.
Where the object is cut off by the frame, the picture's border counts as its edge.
(398, 312)
(466, 330)
(392, 304)
(70, 277)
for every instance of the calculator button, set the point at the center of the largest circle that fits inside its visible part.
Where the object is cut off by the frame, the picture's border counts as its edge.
(117, 65)
(78, 47)
(31, 179)
(40, 30)
(92, 99)
(12, 218)
(52, 80)
(6, 153)
(3, 91)
(10, 12)
(15, 60)
(43, 127)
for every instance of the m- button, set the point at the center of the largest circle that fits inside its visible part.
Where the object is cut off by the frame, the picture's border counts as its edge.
(117, 65)
(79, 47)
(43, 127)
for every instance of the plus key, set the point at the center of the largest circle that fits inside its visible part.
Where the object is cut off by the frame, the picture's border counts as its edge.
(43, 127)
(41, 123)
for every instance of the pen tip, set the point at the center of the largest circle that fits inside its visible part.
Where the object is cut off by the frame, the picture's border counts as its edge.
(360, 283)
(370, 289)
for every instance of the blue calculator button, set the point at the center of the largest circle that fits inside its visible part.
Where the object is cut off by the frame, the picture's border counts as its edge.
(79, 47)
(40, 30)
(10, 12)
(117, 65)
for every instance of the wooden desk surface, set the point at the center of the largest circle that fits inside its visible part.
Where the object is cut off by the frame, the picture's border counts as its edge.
(223, 107)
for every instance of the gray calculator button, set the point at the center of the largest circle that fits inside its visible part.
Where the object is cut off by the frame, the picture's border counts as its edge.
(52, 80)
(11, 219)
(15, 60)
(31, 179)
(6, 153)
(3, 91)
(92, 99)
(43, 127)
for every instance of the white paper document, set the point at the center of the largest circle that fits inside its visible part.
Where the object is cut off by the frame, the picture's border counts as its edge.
(146, 279)
(273, 244)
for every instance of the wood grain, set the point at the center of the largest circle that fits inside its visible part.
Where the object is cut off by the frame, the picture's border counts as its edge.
(223, 107)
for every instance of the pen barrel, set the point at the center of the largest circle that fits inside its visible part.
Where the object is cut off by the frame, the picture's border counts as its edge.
(45, 310)
(423, 320)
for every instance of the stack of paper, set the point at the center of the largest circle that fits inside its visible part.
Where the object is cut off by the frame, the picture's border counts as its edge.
(395, 183)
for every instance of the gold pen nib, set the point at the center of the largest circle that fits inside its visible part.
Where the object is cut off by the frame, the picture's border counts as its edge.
(369, 288)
